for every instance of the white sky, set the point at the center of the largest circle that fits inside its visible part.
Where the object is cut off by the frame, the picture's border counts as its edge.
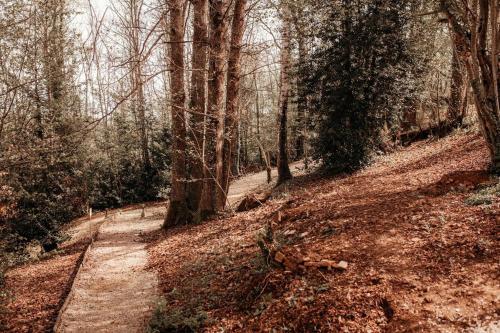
(81, 21)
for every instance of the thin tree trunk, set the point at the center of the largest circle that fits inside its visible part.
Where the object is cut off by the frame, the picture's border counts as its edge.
(238, 148)
(455, 108)
(257, 113)
(178, 212)
(215, 117)
(284, 173)
(197, 103)
(302, 102)
(233, 95)
(139, 94)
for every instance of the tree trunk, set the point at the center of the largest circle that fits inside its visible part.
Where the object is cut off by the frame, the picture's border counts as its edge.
(178, 212)
(197, 103)
(481, 62)
(301, 103)
(284, 173)
(257, 114)
(138, 86)
(215, 115)
(233, 95)
(300, 123)
(455, 107)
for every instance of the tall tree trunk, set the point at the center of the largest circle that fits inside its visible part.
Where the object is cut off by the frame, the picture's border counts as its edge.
(178, 212)
(138, 86)
(302, 101)
(257, 114)
(233, 95)
(215, 112)
(300, 123)
(197, 103)
(284, 173)
(481, 61)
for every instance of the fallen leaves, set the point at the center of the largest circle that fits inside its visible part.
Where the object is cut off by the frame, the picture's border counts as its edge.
(296, 262)
(395, 231)
(37, 291)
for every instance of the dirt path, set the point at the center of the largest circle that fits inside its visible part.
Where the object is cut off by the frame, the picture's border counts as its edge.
(113, 292)
(248, 184)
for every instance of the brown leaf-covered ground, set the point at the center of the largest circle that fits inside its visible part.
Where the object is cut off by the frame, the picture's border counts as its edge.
(420, 259)
(37, 291)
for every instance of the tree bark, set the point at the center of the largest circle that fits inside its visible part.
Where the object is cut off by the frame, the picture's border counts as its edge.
(197, 104)
(284, 173)
(300, 123)
(215, 113)
(139, 99)
(481, 62)
(257, 114)
(455, 109)
(233, 95)
(301, 103)
(178, 212)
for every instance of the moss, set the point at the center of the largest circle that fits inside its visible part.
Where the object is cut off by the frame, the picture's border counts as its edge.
(176, 321)
(485, 196)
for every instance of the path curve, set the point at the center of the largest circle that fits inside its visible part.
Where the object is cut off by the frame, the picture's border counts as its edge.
(113, 291)
(253, 182)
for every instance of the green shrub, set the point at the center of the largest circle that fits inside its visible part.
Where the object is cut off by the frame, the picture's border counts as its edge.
(478, 200)
(361, 80)
(176, 321)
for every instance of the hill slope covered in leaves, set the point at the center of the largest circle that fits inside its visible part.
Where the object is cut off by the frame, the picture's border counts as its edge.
(417, 231)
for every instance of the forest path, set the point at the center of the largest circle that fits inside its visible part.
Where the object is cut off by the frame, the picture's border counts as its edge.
(113, 292)
(253, 182)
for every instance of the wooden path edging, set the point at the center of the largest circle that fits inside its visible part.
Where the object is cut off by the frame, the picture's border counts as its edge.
(71, 294)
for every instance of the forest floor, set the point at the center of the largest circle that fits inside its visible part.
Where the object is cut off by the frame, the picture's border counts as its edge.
(256, 182)
(420, 259)
(36, 291)
(112, 292)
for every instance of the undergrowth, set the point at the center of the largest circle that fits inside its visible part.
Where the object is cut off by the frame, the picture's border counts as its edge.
(269, 242)
(176, 321)
(484, 196)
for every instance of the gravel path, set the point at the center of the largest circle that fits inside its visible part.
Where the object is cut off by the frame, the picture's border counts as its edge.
(113, 292)
(253, 182)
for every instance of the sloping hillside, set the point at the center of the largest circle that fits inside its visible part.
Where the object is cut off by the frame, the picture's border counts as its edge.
(419, 257)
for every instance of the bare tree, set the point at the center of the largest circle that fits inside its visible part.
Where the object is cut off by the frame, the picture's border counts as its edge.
(197, 102)
(178, 211)
(284, 173)
(212, 196)
(233, 93)
(133, 32)
(476, 32)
